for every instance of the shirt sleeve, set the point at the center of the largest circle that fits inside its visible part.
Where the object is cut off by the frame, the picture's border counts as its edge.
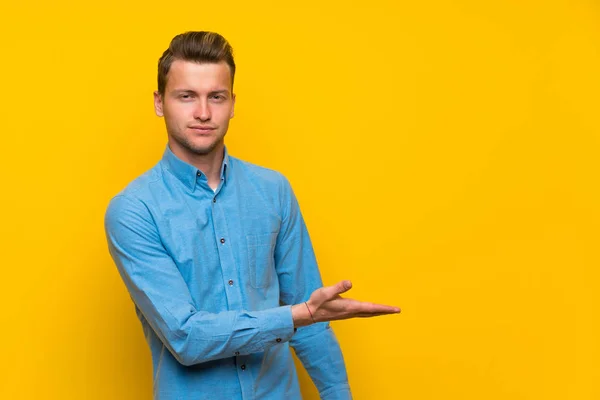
(316, 345)
(158, 289)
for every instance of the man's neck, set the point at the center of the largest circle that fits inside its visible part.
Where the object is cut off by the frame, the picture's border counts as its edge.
(210, 164)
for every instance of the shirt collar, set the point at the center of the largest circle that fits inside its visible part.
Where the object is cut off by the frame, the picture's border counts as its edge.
(187, 173)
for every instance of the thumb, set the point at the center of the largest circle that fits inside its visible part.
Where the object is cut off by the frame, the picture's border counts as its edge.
(342, 287)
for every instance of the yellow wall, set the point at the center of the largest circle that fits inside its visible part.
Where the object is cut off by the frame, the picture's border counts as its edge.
(445, 155)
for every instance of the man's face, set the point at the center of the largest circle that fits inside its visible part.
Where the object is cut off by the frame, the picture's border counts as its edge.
(197, 106)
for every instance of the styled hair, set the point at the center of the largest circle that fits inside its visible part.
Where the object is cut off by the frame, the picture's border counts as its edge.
(199, 47)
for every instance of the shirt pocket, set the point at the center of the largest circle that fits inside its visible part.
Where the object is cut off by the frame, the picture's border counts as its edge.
(261, 258)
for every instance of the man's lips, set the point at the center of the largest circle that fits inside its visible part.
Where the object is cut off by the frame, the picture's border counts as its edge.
(202, 130)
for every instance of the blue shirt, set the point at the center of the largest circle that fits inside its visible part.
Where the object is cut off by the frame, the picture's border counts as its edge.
(213, 275)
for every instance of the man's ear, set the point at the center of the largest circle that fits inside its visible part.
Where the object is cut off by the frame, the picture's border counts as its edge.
(232, 105)
(158, 104)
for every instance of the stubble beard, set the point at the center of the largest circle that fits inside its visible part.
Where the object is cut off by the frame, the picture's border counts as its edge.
(197, 150)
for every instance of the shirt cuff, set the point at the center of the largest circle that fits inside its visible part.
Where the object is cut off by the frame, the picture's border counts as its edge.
(278, 324)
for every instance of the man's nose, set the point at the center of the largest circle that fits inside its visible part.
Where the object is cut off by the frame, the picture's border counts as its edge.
(202, 111)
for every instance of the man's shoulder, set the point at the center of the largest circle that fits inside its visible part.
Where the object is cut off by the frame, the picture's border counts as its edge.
(139, 189)
(257, 173)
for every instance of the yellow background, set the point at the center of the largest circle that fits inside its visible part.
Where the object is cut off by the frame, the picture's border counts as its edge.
(445, 155)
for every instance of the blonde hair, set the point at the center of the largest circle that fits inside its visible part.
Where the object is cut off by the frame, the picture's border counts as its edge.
(200, 47)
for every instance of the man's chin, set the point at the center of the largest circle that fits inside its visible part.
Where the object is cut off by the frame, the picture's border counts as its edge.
(197, 148)
(203, 150)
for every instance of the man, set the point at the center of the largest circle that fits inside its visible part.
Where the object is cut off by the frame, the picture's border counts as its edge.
(216, 256)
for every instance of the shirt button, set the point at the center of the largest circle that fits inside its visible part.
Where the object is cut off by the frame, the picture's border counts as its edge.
(214, 200)
(278, 340)
(230, 282)
(199, 173)
(243, 367)
(222, 240)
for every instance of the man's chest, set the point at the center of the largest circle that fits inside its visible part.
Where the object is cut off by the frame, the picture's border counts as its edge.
(219, 241)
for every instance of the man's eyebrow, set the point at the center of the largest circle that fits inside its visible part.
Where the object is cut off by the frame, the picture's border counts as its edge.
(190, 91)
(180, 91)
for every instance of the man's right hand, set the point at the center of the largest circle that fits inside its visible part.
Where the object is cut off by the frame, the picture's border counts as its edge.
(326, 304)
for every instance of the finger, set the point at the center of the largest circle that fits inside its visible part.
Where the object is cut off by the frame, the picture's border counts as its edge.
(372, 308)
(338, 288)
(368, 315)
(373, 314)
